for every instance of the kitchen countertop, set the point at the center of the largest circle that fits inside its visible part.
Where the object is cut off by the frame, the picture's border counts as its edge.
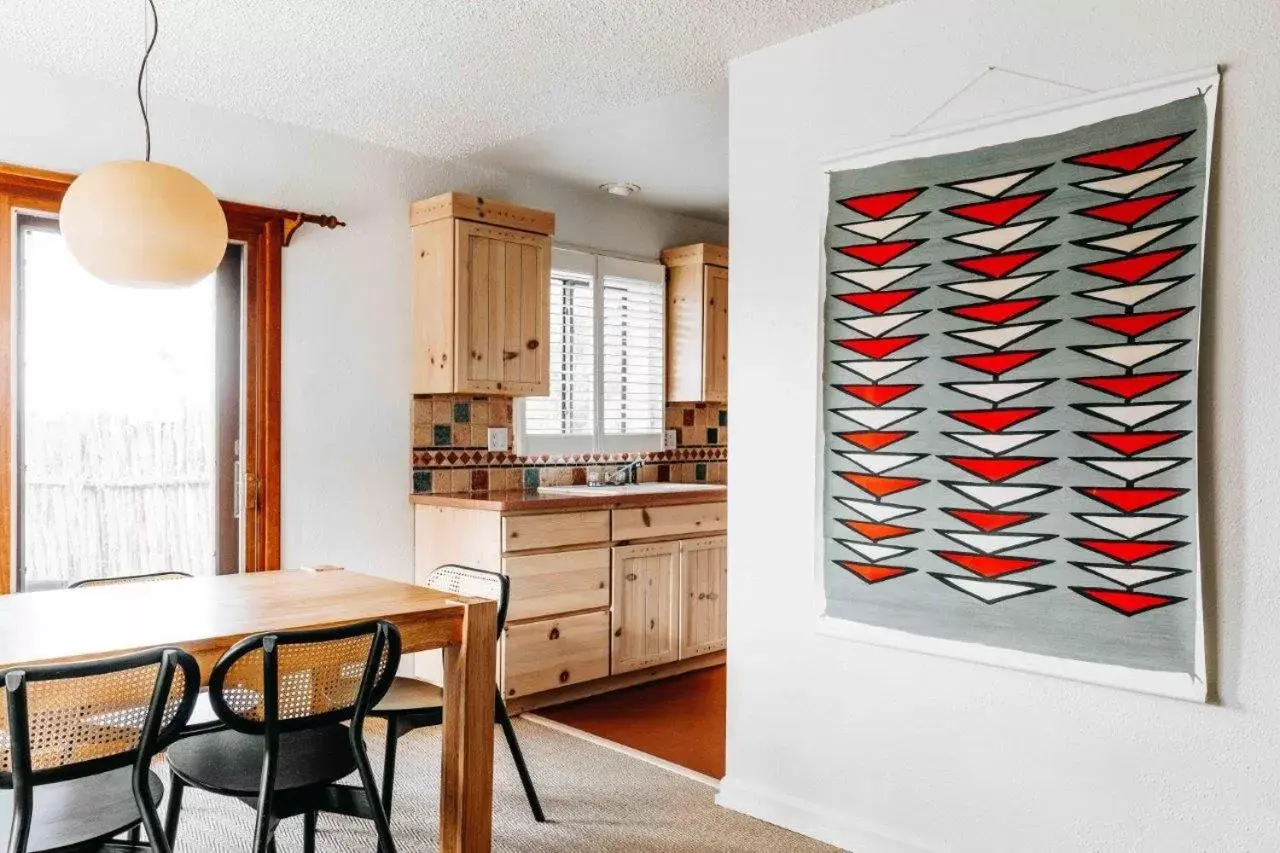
(518, 501)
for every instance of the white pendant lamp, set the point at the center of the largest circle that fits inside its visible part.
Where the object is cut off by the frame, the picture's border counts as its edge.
(134, 222)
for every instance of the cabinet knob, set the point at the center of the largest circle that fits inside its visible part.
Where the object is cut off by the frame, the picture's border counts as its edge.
(554, 635)
(653, 623)
(702, 595)
(631, 576)
(617, 632)
(564, 677)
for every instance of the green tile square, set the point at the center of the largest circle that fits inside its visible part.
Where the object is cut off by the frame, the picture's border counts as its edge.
(713, 435)
(531, 478)
(462, 413)
(700, 471)
(724, 417)
(441, 435)
(421, 482)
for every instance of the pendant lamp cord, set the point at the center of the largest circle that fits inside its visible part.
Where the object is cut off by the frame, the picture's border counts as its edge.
(142, 74)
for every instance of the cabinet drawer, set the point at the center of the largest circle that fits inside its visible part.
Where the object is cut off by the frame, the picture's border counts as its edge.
(543, 584)
(650, 522)
(540, 656)
(553, 530)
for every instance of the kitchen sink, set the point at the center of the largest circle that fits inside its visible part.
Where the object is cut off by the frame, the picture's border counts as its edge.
(633, 489)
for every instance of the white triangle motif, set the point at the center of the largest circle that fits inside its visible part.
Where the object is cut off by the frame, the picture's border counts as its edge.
(1132, 470)
(992, 187)
(1132, 294)
(878, 229)
(1127, 242)
(994, 543)
(988, 590)
(1129, 184)
(998, 239)
(1128, 575)
(877, 279)
(873, 553)
(879, 463)
(995, 497)
(876, 325)
(1132, 355)
(876, 418)
(874, 370)
(1131, 526)
(1131, 415)
(997, 443)
(1000, 337)
(877, 511)
(998, 392)
(995, 288)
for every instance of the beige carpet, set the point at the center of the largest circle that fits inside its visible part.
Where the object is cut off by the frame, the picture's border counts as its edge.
(596, 800)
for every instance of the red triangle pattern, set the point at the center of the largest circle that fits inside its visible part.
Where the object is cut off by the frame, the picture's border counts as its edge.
(1129, 158)
(872, 440)
(879, 254)
(876, 531)
(879, 301)
(996, 470)
(997, 212)
(878, 486)
(1131, 499)
(880, 205)
(1128, 602)
(1134, 268)
(1131, 211)
(877, 395)
(999, 311)
(1131, 443)
(995, 420)
(1126, 550)
(1132, 386)
(988, 566)
(998, 266)
(988, 521)
(878, 347)
(1134, 325)
(872, 573)
(998, 363)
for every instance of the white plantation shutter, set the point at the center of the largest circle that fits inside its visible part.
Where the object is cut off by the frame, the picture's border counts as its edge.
(607, 376)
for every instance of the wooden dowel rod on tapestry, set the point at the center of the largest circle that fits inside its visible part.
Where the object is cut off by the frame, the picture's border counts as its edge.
(294, 221)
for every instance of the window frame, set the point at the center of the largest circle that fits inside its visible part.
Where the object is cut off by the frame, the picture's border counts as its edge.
(567, 262)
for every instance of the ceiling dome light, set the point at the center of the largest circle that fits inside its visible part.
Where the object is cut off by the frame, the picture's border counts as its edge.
(144, 224)
(620, 188)
(140, 223)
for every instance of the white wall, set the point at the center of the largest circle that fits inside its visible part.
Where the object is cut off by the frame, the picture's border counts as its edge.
(346, 386)
(883, 750)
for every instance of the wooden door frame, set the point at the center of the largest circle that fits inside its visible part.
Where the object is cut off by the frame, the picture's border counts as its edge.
(262, 230)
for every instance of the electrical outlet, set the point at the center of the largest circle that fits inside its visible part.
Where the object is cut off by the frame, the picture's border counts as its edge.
(669, 440)
(498, 438)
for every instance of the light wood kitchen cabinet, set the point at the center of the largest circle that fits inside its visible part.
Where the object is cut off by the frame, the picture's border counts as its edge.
(697, 323)
(704, 571)
(481, 285)
(646, 605)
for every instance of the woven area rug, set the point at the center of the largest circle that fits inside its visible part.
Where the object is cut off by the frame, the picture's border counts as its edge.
(596, 800)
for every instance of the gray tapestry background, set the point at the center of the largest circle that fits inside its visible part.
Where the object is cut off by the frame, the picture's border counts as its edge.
(1058, 622)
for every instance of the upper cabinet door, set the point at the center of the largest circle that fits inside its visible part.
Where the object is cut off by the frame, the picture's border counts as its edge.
(503, 284)
(716, 337)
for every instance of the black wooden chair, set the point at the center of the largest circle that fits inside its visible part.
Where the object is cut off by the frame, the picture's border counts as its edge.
(76, 744)
(284, 698)
(413, 704)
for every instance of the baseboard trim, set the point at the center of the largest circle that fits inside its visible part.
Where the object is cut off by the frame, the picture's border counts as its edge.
(555, 725)
(835, 828)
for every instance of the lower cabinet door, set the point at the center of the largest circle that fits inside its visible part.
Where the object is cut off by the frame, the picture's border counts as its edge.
(551, 653)
(703, 575)
(646, 606)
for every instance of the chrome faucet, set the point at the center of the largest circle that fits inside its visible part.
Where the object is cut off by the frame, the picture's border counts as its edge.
(626, 474)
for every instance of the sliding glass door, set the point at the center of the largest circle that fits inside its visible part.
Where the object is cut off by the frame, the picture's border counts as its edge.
(128, 419)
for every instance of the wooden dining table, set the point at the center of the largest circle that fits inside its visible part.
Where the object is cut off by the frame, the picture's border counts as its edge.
(206, 616)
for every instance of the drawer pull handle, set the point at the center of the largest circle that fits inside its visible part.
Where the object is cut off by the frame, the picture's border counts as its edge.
(644, 516)
(617, 632)
(564, 677)
(554, 635)
(653, 623)
(631, 576)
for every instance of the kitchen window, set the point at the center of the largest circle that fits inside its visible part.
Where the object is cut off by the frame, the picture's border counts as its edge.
(607, 359)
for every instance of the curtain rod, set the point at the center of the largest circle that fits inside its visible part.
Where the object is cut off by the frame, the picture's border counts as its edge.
(293, 221)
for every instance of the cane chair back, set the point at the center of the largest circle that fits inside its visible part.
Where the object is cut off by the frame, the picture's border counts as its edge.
(302, 679)
(154, 577)
(474, 583)
(69, 721)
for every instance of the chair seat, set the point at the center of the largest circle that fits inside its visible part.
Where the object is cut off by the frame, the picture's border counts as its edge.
(409, 694)
(230, 762)
(69, 814)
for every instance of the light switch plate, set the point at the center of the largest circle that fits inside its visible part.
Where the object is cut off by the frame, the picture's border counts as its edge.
(669, 440)
(498, 439)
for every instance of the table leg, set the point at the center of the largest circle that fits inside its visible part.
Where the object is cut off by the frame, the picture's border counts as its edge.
(466, 769)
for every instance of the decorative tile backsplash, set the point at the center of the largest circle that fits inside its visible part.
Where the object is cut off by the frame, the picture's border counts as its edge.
(450, 436)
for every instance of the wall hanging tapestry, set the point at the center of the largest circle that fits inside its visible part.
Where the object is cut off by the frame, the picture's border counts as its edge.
(1012, 312)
